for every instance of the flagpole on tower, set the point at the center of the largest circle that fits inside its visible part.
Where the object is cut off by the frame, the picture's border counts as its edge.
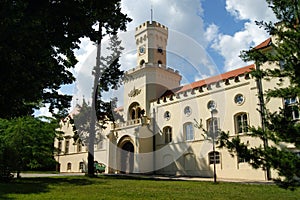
(151, 16)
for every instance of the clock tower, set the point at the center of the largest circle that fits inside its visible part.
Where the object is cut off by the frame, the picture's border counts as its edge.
(151, 77)
(151, 41)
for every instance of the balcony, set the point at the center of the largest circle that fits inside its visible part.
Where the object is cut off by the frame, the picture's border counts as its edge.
(131, 123)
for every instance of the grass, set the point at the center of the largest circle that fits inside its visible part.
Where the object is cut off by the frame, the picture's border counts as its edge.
(103, 187)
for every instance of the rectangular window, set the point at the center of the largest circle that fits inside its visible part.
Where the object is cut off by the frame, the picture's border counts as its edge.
(241, 121)
(168, 134)
(79, 147)
(211, 157)
(67, 146)
(59, 149)
(291, 108)
(81, 165)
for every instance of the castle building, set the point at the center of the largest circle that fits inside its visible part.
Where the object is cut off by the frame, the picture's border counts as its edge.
(167, 128)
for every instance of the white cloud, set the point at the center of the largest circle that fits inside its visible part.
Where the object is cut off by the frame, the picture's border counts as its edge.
(183, 16)
(86, 48)
(211, 32)
(230, 46)
(250, 9)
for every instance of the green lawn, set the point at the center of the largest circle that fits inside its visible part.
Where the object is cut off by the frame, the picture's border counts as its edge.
(103, 187)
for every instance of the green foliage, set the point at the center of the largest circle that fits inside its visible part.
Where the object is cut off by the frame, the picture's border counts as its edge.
(27, 143)
(37, 44)
(279, 128)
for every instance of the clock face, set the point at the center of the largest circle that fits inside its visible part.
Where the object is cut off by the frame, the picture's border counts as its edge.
(142, 49)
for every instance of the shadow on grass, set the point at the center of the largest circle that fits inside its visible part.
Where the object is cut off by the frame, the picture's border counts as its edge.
(39, 185)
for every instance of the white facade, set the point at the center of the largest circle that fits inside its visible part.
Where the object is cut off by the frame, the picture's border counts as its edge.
(158, 134)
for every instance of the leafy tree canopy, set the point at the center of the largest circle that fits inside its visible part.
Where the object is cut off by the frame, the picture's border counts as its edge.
(37, 43)
(27, 143)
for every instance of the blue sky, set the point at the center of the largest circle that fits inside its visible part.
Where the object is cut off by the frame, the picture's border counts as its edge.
(205, 37)
(215, 13)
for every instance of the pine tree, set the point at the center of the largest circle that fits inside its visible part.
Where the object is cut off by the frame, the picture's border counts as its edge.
(281, 127)
(111, 79)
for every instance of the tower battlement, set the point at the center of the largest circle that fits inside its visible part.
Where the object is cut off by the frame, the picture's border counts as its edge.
(148, 24)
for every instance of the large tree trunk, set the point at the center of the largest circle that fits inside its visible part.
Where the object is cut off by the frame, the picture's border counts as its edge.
(93, 122)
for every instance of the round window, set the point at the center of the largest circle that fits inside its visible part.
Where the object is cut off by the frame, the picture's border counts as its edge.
(187, 111)
(167, 115)
(239, 99)
(211, 104)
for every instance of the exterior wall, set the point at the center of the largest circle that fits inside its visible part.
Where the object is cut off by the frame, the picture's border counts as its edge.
(75, 160)
(77, 152)
(150, 82)
(181, 157)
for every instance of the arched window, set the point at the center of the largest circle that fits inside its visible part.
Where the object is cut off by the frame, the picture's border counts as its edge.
(211, 157)
(69, 166)
(67, 146)
(134, 111)
(188, 130)
(241, 123)
(59, 149)
(213, 126)
(168, 134)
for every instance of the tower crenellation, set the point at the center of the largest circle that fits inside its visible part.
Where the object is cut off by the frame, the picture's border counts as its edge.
(148, 24)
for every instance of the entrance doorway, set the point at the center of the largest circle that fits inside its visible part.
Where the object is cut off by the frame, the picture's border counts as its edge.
(127, 158)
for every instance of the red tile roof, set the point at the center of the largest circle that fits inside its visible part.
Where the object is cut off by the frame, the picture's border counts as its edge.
(264, 44)
(214, 79)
